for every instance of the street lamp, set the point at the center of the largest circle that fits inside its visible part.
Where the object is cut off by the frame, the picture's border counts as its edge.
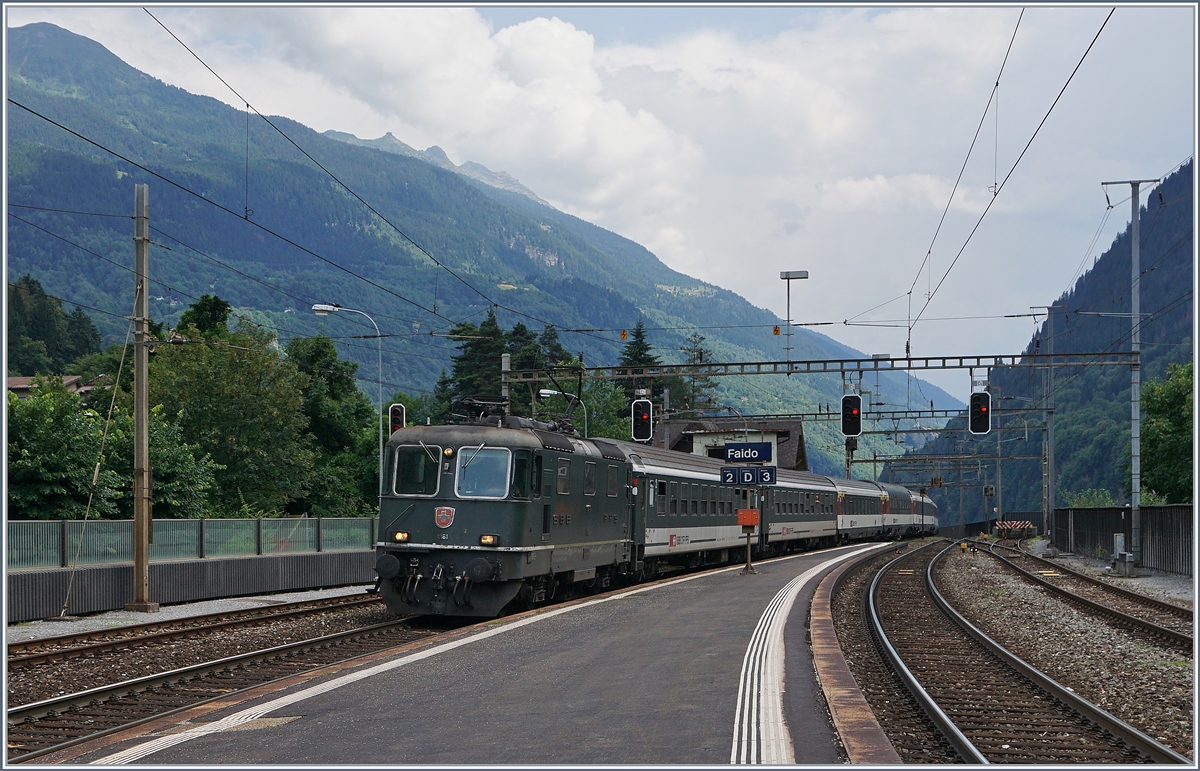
(549, 392)
(788, 276)
(324, 309)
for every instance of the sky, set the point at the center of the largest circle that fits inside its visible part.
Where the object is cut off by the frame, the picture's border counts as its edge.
(738, 142)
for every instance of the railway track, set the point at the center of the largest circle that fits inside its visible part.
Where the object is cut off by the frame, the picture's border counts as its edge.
(48, 649)
(47, 726)
(1165, 620)
(990, 705)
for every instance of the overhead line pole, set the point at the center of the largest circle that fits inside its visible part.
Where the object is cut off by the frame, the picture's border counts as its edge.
(1135, 369)
(142, 500)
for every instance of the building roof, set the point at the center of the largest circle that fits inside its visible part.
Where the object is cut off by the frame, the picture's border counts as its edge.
(23, 386)
(789, 436)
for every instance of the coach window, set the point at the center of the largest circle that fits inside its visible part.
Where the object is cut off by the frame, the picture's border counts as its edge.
(564, 476)
(520, 477)
(695, 499)
(662, 496)
(614, 484)
(674, 497)
(589, 478)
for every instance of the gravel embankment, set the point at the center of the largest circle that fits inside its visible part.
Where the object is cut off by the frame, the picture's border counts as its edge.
(1146, 685)
(47, 681)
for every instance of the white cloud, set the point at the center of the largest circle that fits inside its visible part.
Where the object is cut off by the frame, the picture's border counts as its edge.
(830, 144)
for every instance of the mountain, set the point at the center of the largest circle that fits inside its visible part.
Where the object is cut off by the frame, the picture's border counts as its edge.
(437, 156)
(237, 210)
(1091, 404)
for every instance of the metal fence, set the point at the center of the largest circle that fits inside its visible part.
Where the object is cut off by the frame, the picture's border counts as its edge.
(64, 543)
(1167, 534)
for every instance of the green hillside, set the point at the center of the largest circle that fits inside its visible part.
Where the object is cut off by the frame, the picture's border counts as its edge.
(251, 219)
(1092, 404)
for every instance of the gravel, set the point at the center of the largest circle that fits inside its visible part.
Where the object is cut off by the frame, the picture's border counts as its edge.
(36, 630)
(46, 681)
(1144, 684)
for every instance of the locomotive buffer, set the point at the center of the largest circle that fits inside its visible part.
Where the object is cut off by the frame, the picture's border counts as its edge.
(752, 477)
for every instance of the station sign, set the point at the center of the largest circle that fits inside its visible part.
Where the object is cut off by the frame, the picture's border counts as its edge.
(747, 476)
(748, 452)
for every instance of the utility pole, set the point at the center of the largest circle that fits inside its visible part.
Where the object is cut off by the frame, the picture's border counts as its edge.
(1048, 402)
(142, 502)
(999, 478)
(1135, 381)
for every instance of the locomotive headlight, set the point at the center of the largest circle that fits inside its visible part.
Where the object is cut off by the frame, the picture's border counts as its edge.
(489, 539)
(400, 536)
(448, 451)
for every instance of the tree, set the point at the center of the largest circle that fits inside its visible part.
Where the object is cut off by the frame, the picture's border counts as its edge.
(41, 338)
(477, 366)
(53, 446)
(526, 352)
(553, 351)
(337, 410)
(82, 337)
(1167, 435)
(699, 387)
(1086, 499)
(243, 404)
(209, 315)
(343, 428)
(183, 475)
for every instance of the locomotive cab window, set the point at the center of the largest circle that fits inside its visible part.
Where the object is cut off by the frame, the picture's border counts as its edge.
(614, 481)
(520, 475)
(537, 476)
(483, 472)
(416, 470)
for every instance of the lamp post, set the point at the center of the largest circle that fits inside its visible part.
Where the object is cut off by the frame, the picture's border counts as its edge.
(324, 309)
(788, 276)
(550, 392)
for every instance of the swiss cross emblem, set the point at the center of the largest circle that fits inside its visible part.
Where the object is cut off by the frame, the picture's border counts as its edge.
(443, 516)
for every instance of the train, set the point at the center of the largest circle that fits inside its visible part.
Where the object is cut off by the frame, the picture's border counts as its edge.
(507, 513)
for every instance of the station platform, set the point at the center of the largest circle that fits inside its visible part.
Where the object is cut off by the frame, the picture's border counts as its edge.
(708, 668)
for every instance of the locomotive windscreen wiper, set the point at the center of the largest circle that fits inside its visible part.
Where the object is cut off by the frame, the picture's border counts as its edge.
(477, 449)
(428, 452)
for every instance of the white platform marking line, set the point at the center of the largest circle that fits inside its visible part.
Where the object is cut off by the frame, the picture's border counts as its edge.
(760, 734)
(253, 713)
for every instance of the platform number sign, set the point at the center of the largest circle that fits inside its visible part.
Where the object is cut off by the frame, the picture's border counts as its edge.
(747, 476)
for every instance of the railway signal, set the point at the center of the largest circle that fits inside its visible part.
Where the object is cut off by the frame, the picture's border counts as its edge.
(643, 420)
(851, 415)
(981, 413)
(396, 418)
